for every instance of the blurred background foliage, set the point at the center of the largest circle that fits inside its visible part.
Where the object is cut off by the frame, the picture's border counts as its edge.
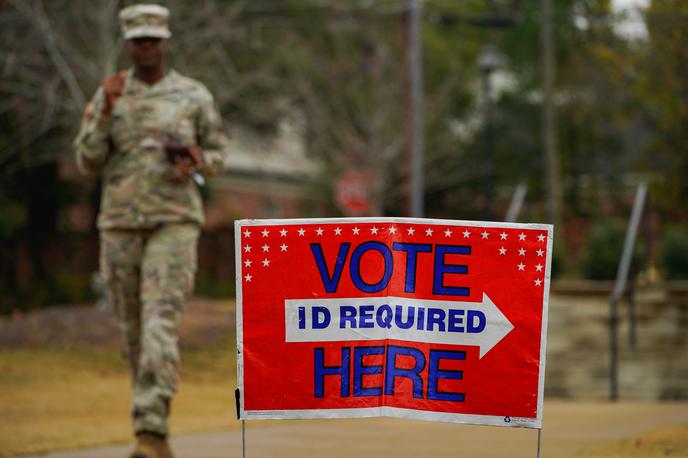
(674, 252)
(338, 69)
(600, 257)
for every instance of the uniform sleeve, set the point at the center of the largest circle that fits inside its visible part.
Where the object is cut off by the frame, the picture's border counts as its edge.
(92, 144)
(210, 136)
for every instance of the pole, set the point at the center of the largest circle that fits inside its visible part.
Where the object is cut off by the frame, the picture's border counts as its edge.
(243, 438)
(613, 350)
(489, 144)
(237, 404)
(632, 313)
(539, 441)
(549, 139)
(516, 203)
(626, 257)
(620, 286)
(416, 77)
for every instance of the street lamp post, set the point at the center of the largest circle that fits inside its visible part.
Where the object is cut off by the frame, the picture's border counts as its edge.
(488, 60)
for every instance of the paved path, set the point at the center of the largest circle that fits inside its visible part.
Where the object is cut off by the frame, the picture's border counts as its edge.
(568, 427)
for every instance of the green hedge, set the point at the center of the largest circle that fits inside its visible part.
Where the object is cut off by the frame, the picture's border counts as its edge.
(674, 252)
(603, 249)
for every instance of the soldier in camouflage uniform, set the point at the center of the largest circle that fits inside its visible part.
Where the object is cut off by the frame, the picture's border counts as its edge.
(149, 131)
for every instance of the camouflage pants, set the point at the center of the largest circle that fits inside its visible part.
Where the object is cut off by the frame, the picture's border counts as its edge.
(149, 275)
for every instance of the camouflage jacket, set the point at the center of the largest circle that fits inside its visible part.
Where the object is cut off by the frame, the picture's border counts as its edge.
(141, 187)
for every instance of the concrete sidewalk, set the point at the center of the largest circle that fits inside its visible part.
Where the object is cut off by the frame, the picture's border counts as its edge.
(567, 427)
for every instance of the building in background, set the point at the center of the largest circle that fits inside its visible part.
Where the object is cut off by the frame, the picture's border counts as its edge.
(265, 177)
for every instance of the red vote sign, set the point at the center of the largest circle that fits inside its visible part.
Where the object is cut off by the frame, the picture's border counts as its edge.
(355, 317)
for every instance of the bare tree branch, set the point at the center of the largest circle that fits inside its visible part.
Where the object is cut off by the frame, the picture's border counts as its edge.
(38, 18)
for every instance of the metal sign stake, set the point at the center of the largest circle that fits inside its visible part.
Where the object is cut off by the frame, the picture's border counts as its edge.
(539, 441)
(237, 399)
(243, 438)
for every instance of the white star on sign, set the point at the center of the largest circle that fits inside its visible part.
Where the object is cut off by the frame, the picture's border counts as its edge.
(392, 230)
(265, 232)
(411, 231)
(373, 230)
(538, 267)
(247, 248)
(538, 282)
(521, 266)
(319, 231)
(540, 252)
(428, 231)
(337, 231)
(265, 248)
(541, 238)
(503, 235)
(248, 277)
(447, 233)
(521, 252)
(301, 232)
(356, 231)
(485, 234)
(466, 234)
(283, 232)
(247, 263)
(247, 233)
(521, 236)
(284, 247)
(266, 262)
(502, 251)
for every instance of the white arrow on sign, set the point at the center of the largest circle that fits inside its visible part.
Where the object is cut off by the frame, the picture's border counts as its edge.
(479, 324)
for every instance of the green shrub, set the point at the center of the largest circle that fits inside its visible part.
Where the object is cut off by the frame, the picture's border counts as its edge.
(674, 252)
(603, 250)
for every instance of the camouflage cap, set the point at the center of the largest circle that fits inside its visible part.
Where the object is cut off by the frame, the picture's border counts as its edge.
(145, 21)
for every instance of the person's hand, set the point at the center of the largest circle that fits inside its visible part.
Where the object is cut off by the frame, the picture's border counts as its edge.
(113, 86)
(189, 163)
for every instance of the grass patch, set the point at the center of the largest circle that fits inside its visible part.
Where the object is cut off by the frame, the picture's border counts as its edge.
(62, 399)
